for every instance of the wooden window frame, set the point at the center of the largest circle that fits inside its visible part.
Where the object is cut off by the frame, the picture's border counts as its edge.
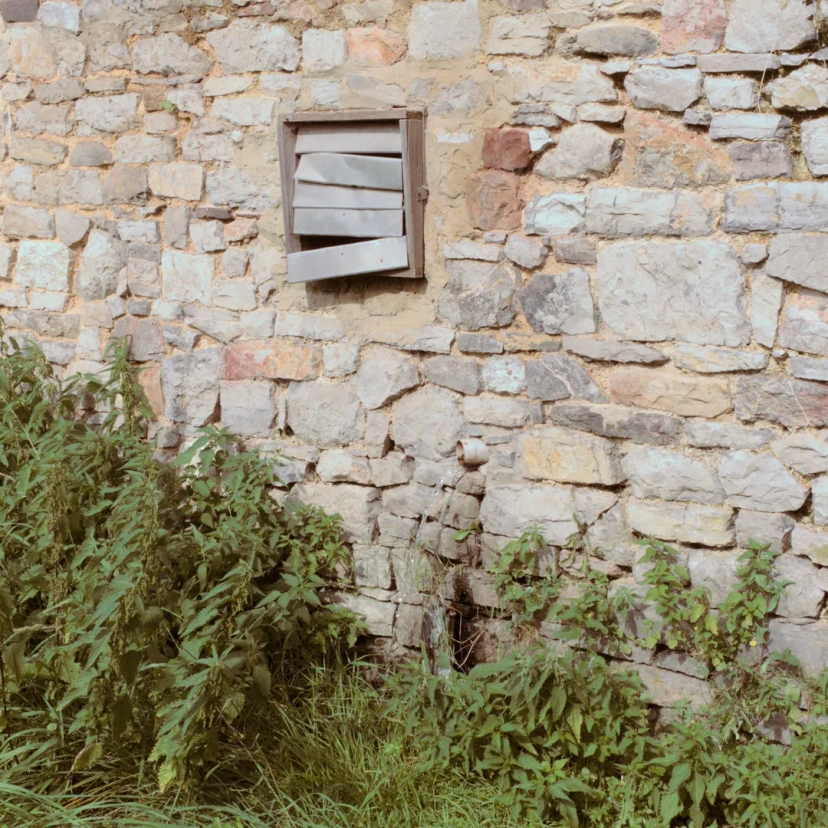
(415, 194)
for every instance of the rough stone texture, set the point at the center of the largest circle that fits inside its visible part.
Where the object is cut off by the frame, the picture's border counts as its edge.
(731, 93)
(559, 304)
(43, 265)
(248, 408)
(767, 297)
(554, 377)
(191, 386)
(673, 392)
(766, 159)
(439, 30)
(765, 528)
(279, 359)
(796, 257)
(325, 414)
(609, 350)
(670, 475)
(555, 215)
(626, 212)
(815, 145)
(478, 295)
(551, 453)
(752, 126)
(805, 89)
(654, 87)
(768, 25)
(804, 325)
(506, 149)
(102, 261)
(427, 423)
(493, 201)
(692, 25)
(706, 360)
(660, 154)
(683, 522)
(790, 402)
(383, 376)
(618, 421)
(804, 453)
(359, 507)
(250, 46)
(612, 39)
(509, 510)
(584, 152)
(759, 482)
(690, 292)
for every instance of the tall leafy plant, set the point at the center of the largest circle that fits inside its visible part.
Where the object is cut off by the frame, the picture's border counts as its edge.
(144, 604)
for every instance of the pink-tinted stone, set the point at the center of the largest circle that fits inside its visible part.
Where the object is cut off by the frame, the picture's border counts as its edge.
(150, 378)
(273, 359)
(493, 200)
(240, 229)
(692, 25)
(374, 46)
(506, 149)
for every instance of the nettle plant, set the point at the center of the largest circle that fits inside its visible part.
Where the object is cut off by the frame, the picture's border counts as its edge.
(569, 738)
(144, 606)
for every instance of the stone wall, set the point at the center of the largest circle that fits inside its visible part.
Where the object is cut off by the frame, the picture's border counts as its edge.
(626, 293)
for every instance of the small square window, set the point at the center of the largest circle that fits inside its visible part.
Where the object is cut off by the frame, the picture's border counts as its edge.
(353, 193)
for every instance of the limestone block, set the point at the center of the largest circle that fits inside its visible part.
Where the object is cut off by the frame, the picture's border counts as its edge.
(808, 642)
(468, 249)
(670, 475)
(555, 215)
(584, 152)
(340, 466)
(141, 149)
(765, 528)
(527, 35)
(244, 111)
(766, 159)
(103, 259)
(383, 376)
(34, 151)
(457, 373)
(524, 251)
(616, 213)
(819, 496)
(815, 145)
(500, 412)
(504, 375)
(340, 360)
(125, 185)
(805, 323)
(234, 294)
(611, 350)
(378, 616)
(374, 46)
(673, 392)
(610, 39)
(60, 15)
(169, 54)
(576, 250)
(325, 414)
(609, 538)
(802, 452)
(177, 180)
(413, 500)
(707, 360)
(759, 482)
(187, 278)
(804, 89)
(273, 359)
(43, 265)
(752, 126)
(251, 46)
(108, 113)
(768, 25)
(478, 295)
(392, 470)
(790, 402)
(28, 222)
(776, 206)
(176, 226)
(427, 423)
(692, 26)
(795, 257)
(509, 510)
(439, 30)
(143, 279)
(191, 386)
(672, 90)
(556, 377)
(565, 456)
(725, 435)
(661, 154)
(805, 593)
(809, 368)
(559, 304)
(731, 93)
(715, 571)
(38, 118)
(618, 421)
(692, 292)
(702, 524)
(767, 297)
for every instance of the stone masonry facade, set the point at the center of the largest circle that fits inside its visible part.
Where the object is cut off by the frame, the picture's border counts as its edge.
(626, 296)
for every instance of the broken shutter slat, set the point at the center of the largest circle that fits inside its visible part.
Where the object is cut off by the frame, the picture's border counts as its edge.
(351, 170)
(307, 194)
(348, 260)
(363, 224)
(371, 138)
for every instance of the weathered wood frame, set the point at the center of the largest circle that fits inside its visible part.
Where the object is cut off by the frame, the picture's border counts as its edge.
(412, 132)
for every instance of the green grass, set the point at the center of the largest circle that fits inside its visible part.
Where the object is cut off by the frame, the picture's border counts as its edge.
(338, 760)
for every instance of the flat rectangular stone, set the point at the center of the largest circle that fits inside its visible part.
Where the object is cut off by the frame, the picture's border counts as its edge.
(809, 368)
(729, 63)
(777, 206)
(703, 524)
(752, 126)
(617, 421)
(726, 435)
(793, 403)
